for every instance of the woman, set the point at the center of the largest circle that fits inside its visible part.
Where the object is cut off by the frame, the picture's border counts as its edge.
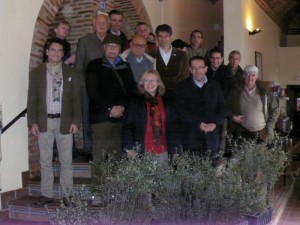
(149, 122)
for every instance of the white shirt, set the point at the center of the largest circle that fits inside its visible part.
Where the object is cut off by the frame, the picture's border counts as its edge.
(165, 55)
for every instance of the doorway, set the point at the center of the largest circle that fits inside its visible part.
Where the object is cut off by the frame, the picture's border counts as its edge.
(294, 108)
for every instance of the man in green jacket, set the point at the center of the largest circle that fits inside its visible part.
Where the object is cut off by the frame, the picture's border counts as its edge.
(54, 113)
(253, 110)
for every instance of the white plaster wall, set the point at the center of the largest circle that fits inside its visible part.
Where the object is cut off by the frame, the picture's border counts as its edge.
(187, 15)
(267, 42)
(17, 20)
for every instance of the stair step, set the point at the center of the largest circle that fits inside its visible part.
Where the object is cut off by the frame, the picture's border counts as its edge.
(26, 209)
(34, 188)
(80, 170)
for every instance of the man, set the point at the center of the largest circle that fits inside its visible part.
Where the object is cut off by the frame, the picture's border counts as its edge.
(143, 29)
(195, 48)
(217, 71)
(171, 63)
(109, 84)
(234, 69)
(90, 47)
(253, 110)
(137, 58)
(115, 24)
(201, 109)
(62, 30)
(54, 113)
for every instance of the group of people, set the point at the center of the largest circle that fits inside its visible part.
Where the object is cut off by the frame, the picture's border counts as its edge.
(139, 95)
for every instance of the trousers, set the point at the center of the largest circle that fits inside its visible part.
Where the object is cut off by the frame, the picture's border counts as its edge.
(64, 146)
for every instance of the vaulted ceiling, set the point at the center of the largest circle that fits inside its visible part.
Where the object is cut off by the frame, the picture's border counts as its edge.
(286, 13)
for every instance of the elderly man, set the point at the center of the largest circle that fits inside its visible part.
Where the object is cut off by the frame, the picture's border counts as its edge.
(90, 47)
(201, 109)
(109, 84)
(253, 110)
(137, 58)
(234, 70)
(54, 113)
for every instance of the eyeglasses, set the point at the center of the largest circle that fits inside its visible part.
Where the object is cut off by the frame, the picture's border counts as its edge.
(251, 74)
(198, 68)
(56, 50)
(138, 45)
(150, 81)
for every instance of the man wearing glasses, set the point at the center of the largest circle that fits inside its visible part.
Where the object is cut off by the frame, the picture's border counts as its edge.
(201, 109)
(253, 110)
(109, 84)
(137, 58)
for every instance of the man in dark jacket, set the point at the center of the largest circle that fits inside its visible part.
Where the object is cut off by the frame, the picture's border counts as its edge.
(109, 83)
(201, 109)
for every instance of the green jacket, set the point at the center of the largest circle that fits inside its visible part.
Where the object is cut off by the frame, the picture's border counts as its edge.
(269, 102)
(71, 100)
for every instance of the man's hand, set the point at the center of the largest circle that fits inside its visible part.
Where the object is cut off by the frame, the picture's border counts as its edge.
(207, 127)
(116, 111)
(70, 60)
(264, 134)
(73, 129)
(238, 119)
(34, 129)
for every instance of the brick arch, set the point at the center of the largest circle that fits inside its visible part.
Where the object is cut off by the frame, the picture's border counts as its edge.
(80, 20)
(134, 11)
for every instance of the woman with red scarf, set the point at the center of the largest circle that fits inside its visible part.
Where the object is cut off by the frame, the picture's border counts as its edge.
(149, 122)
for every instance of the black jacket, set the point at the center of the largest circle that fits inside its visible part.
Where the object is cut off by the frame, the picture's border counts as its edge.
(105, 90)
(135, 122)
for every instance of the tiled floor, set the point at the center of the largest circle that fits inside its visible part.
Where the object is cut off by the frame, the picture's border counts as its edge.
(291, 214)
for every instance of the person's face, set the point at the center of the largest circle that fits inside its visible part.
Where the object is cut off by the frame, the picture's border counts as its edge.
(138, 46)
(112, 51)
(55, 53)
(101, 25)
(116, 22)
(234, 60)
(198, 70)
(216, 60)
(164, 39)
(150, 83)
(143, 30)
(250, 80)
(62, 31)
(196, 39)
(151, 38)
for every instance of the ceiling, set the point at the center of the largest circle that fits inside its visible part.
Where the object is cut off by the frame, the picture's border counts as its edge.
(286, 13)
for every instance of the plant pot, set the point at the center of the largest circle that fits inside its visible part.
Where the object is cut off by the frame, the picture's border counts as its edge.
(260, 218)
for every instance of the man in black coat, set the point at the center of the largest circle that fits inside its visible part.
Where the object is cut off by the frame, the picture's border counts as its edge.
(109, 84)
(201, 109)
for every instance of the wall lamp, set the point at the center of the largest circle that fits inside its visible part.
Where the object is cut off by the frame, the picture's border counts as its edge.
(256, 31)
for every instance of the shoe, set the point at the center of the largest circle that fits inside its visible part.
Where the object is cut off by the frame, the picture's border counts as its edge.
(67, 200)
(43, 200)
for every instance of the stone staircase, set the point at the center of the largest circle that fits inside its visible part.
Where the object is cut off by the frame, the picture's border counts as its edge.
(25, 206)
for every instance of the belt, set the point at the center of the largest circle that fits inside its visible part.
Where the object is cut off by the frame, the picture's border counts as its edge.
(53, 116)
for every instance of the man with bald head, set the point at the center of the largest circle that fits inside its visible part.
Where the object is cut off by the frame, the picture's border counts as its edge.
(90, 47)
(137, 58)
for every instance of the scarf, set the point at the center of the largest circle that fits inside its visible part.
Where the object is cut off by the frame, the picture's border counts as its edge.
(55, 70)
(155, 115)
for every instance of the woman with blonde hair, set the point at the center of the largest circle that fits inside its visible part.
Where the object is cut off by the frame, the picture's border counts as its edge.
(149, 122)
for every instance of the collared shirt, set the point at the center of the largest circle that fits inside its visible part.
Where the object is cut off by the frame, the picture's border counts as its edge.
(251, 90)
(53, 107)
(139, 59)
(118, 59)
(199, 84)
(165, 55)
(116, 33)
